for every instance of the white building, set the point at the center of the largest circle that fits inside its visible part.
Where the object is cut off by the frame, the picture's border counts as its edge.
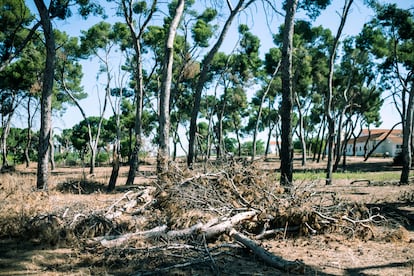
(391, 146)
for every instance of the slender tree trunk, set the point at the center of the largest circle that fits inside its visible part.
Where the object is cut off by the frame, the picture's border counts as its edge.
(139, 87)
(330, 117)
(4, 134)
(269, 138)
(51, 151)
(164, 114)
(301, 130)
(286, 154)
(317, 144)
(339, 141)
(221, 152)
(259, 113)
(204, 75)
(407, 136)
(28, 134)
(46, 97)
(380, 142)
(92, 160)
(115, 166)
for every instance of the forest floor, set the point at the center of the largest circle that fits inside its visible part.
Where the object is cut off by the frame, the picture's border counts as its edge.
(187, 222)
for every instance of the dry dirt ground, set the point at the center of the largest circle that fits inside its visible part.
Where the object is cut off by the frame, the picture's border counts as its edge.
(353, 227)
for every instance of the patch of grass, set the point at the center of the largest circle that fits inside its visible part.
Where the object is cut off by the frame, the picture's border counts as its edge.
(372, 176)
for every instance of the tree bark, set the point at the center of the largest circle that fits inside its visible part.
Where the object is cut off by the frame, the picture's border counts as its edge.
(407, 136)
(266, 256)
(4, 134)
(46, 97)
(164, 113)
(286, 153)
(328, 109)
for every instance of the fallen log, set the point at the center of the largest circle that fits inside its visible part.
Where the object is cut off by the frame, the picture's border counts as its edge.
(225, 226)
(113, 241)
(210, 230)
(266, 256)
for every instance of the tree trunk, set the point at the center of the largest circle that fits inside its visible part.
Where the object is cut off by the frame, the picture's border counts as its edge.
(301, 134)
(46, 97)
(117, 147)
(139, 87)
(115, 168)
(28, 134)
(51, 151)
(339, 141)
(407, 136)
(164, 113)
(381, 141)
(286, 153)
(92, 160)
(328, 109)
(259, 114)
(205, 65)
(4, 134)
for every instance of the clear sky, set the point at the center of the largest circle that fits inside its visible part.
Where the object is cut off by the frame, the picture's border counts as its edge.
(256, 20)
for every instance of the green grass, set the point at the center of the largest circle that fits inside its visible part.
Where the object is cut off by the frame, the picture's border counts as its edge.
(372, 176)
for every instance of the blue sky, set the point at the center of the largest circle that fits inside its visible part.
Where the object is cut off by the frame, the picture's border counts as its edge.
(255, 20)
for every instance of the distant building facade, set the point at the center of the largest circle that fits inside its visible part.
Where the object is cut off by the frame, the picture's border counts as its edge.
(391, 146)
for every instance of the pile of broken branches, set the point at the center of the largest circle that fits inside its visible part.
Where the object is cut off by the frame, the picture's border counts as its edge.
(193, 210)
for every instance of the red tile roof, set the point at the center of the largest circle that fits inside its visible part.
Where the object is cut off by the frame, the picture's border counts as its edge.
(379, 134)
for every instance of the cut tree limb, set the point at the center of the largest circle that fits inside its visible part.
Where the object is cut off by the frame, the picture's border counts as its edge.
(209, 230)
(225, 226)
(113, 241)
(266, 256)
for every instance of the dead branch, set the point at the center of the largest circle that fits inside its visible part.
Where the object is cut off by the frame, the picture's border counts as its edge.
(118, 201)
(266, 256)
(361, 221)
(210, 230)
(175, 234)
(114, 241)
(272, 232)
(228, 224)
(361, 180)
(236, 191)
(329, 219)
(199, 176)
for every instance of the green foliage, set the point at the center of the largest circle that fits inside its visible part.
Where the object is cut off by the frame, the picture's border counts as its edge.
(102, 157)
(247, 148)
(313, 7)
(139, 7)
(202, 30)
(230, 145)
(16, 144)
(67, 158)
(59, 9)
(15, 18)
(80, 133)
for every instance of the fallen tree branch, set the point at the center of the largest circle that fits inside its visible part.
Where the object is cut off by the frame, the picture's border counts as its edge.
(113, 241)
(214, 230)
(266, 256)
(370, 219)
(272, 232)
(210, 230)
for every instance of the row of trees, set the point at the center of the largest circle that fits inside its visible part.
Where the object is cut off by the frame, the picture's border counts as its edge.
(71, 146)
(170, 78)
